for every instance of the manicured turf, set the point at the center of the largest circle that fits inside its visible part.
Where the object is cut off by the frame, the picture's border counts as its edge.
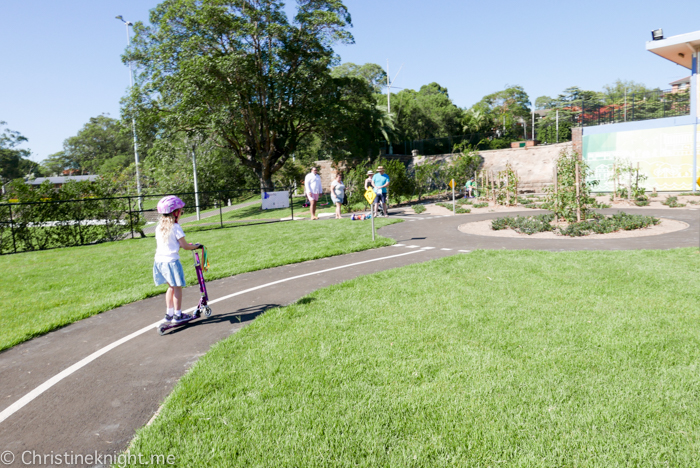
(256, 212)
(494, 358)
(45, 290)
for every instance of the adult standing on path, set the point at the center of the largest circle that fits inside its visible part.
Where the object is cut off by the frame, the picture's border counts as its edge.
(337, 193)
(381, 182)
(312, 187)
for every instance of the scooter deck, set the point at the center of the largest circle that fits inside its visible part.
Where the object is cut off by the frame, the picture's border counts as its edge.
(165, 326)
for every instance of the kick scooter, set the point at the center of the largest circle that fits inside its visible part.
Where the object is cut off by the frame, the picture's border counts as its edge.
(202, 307)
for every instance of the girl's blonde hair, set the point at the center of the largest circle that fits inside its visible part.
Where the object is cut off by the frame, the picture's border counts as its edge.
(165, 225)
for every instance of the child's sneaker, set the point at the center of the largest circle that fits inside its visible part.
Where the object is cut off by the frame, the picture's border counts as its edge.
(167, 318)
(181, 318)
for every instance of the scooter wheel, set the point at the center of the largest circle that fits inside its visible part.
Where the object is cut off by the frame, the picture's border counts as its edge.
(162, 329)
(207, 311)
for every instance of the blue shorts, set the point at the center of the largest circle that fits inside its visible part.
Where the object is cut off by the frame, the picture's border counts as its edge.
(170, 272)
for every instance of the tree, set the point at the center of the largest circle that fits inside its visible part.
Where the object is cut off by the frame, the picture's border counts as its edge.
(424, 114)
(372, 73)
(103, 145)
(239, 71)
(14, 162)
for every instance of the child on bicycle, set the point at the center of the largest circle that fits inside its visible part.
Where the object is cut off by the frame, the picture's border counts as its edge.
(166, 266)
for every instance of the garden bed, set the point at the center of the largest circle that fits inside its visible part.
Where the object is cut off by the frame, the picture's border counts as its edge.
(542, 227)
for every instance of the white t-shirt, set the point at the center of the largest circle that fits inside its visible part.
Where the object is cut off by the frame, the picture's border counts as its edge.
(168, 251)
(312, 183)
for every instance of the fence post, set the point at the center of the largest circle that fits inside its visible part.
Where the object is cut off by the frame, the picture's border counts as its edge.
(12, 229)
(291, 201)
(131, 221)
(221, 213)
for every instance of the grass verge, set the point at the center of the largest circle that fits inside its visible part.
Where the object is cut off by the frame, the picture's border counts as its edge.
(519, 359)
(49, 289)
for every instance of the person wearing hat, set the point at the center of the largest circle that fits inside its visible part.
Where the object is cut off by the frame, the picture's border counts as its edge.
(380, 181)
(368, 180)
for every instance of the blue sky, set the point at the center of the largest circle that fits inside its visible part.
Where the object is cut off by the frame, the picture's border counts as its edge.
(61, 60)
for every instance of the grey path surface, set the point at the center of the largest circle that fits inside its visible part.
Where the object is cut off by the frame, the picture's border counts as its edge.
(99, 407)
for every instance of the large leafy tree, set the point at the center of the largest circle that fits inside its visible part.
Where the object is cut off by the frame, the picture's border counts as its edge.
(240, 72)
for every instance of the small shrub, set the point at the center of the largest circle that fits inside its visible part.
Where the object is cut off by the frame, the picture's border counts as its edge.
(418, 208)
(461, 210)
(464, 201)
(641, 202)
(524, 224)
(481, 205)
(672, 202)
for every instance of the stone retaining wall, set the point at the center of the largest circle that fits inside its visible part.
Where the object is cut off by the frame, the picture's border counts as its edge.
(534, 164)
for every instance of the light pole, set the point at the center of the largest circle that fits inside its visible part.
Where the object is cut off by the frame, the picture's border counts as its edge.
(133, 120)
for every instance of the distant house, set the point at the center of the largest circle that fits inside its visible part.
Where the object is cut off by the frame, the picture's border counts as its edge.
(680, 85)
(58, 181)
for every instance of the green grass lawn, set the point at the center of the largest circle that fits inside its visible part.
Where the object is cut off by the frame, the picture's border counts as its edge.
(255, 212)
(495, 358)
(45, 290)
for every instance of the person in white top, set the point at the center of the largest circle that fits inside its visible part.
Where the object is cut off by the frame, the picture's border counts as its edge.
(337, 193)
(312, 187)
(170, 238)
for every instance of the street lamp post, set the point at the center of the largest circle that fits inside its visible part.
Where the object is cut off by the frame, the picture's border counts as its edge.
(133, 120)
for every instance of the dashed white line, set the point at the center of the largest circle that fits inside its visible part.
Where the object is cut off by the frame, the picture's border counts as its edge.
(445, 249)
(398, 245)
(427, 248)
(465, 251)
(411, 246)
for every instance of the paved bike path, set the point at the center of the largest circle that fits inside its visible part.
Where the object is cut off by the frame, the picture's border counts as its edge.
(98, 407)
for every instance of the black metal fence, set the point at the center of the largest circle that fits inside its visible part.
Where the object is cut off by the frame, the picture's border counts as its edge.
(51, 224)
(633, 107)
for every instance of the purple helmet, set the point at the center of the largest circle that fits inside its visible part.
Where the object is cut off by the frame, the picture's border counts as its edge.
(168, 204)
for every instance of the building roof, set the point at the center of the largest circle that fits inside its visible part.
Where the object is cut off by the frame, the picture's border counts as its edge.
(681, 81)
(678, 49)
(63, 179)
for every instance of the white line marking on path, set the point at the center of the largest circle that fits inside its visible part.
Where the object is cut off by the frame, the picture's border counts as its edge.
(445, 249)
(427, 248)
(411, 246)
(398, 245)
(26, 399)
(465, 251)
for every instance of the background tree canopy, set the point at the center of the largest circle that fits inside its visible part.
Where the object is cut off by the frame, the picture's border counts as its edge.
(259, 85)
(14, 162)
(103, 145)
